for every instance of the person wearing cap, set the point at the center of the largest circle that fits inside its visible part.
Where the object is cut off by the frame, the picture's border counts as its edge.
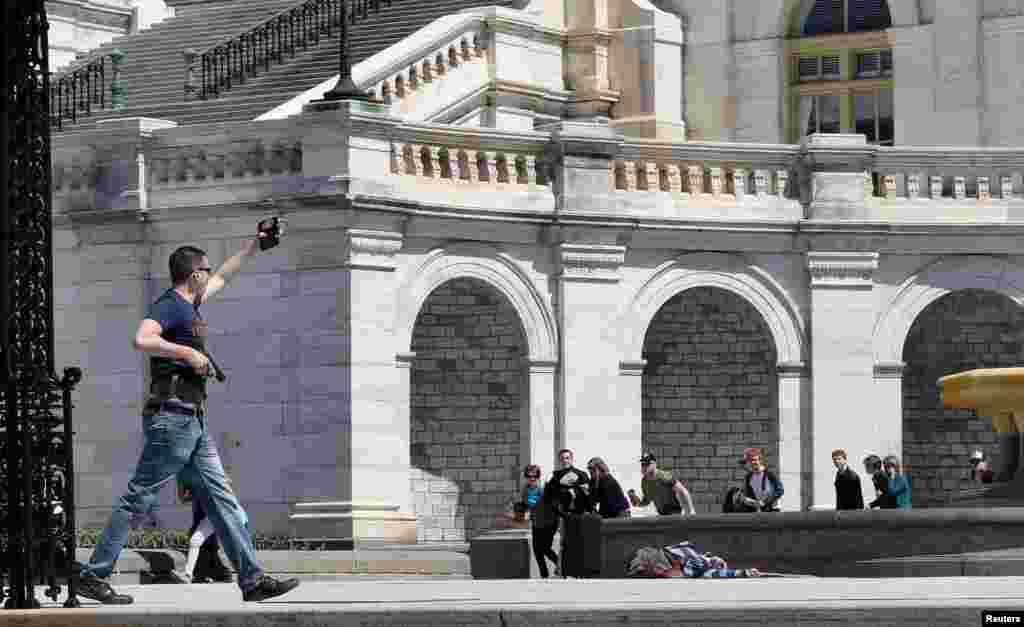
(982, 470)
(661, 488)
(761, 488)
(608, 496)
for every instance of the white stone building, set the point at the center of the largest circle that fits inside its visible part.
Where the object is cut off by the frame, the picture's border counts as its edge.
(545, 239)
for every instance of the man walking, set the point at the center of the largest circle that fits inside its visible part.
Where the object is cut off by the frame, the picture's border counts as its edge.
(660, 487)
(848, 491)
(175, 426)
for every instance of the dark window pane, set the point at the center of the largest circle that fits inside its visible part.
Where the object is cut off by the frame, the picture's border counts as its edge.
(886, 132)
(868, 64)
(887, 62)
(864, 115)
(808, 105)
(830, 67)
(869, 15)
(828, 113)
(826, 17)
(808, 68)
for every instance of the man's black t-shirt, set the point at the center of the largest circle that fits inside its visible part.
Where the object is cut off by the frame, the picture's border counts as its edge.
(181, 324)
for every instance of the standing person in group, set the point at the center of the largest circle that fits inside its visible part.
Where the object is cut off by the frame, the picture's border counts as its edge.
(761, 488)
(848, 491)
(570, 487)
(899, 485)
(176, 431)
(543, 520)
(873, 467)
(606, 491)
(668, 494)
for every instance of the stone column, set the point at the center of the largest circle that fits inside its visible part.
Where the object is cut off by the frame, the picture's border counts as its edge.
(601, 408)
(588, 43)
(121, 146)
(843, 307)
(539, 426)
(889, 408)
(794, 413)
(361, 500)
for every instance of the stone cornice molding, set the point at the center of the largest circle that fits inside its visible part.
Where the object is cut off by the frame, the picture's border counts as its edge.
(372, 250)
(889, 370)
(792, 370)
(405, 360)
(591, 262)
(760, 156)
(541, 366)
(632, 368)
(842, 269)
(947, 160)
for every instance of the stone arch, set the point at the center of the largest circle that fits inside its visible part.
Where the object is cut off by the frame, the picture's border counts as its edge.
(934, 281)
(498, 270)
(730, 272)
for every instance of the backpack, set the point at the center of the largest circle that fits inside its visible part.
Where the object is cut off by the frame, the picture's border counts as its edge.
(649, 563)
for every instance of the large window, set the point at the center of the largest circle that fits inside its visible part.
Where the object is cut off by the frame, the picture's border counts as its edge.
(846, 16)
(842, 74)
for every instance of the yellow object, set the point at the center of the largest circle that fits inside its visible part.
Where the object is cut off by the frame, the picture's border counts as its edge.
(994, 392)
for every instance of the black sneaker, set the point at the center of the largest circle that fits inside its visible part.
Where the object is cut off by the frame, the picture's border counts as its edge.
(99, 590)
(268, 588)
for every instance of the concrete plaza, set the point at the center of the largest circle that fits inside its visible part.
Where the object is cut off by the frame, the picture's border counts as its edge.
(380, 601)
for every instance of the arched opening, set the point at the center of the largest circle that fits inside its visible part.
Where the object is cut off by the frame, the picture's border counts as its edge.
(709, 390)
(962, 330)
(467, 409)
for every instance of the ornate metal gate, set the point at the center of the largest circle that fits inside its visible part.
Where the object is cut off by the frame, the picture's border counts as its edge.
(37, 507)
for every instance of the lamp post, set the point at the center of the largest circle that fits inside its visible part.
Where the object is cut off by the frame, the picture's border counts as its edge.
(345, 88)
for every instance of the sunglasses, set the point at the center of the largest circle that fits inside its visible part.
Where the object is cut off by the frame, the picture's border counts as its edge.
(207, 270)
(533, 476)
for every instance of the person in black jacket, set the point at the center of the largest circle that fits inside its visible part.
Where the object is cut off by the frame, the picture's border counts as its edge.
(569, 487)
(848, 491)
(873, 466)
(607, 494)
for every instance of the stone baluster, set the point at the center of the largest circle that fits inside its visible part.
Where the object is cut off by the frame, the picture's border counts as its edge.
(472, 166)
(504, 172)
(739, 183)
(434, 159)
(397, 158)
(959, 187)
(781, 182)
(414, 78)
(488, 166)
(467, 53)
(651, 182)
(439, 67)
(416, 159)
(716, 181)
(984, 193)
(1006, 187)
(530, 165)
(478, 45)
(935, 187)
(457, 165)
(453, 56)
(761, 180)
(427, 69)
(385, 91)
(400, 86)
(913, 185)
(629, 176)
(695, 179)
(889, 186)
(190, 72)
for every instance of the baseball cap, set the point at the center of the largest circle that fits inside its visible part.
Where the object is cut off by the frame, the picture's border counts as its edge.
(648, 458)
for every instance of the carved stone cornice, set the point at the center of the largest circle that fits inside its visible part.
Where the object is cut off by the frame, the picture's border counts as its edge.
(792, 370)
(632, 368)
(372, 250)
(890, 370)
(592, 262)
(842, 269)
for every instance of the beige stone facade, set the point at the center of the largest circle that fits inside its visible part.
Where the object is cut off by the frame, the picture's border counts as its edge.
(461, 293)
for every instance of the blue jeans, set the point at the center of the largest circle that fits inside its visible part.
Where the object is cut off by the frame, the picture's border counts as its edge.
(174, 443)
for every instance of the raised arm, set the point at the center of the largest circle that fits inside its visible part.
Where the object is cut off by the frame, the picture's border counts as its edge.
(230, 268)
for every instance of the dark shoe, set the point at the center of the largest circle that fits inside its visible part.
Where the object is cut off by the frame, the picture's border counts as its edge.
(268, 588)
(99, 590)
(211, 566)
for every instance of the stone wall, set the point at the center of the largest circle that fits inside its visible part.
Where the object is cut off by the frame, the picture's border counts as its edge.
(468, 395)
(961, 331)
(709, 391)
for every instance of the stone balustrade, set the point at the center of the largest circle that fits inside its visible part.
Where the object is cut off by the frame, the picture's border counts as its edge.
(240, 161)
(470, 157)
(466, 48)
(958, 175)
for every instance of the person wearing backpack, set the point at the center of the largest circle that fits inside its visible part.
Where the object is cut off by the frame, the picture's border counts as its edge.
(761, 488)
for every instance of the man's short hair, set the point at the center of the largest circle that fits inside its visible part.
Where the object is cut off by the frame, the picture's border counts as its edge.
(840, 453)
(183, 262)
(566, 450)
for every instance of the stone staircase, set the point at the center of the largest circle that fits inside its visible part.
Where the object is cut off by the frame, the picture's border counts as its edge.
(154, 67)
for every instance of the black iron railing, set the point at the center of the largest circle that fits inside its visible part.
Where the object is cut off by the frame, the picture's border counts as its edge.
(283, 35)
(78, 92)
